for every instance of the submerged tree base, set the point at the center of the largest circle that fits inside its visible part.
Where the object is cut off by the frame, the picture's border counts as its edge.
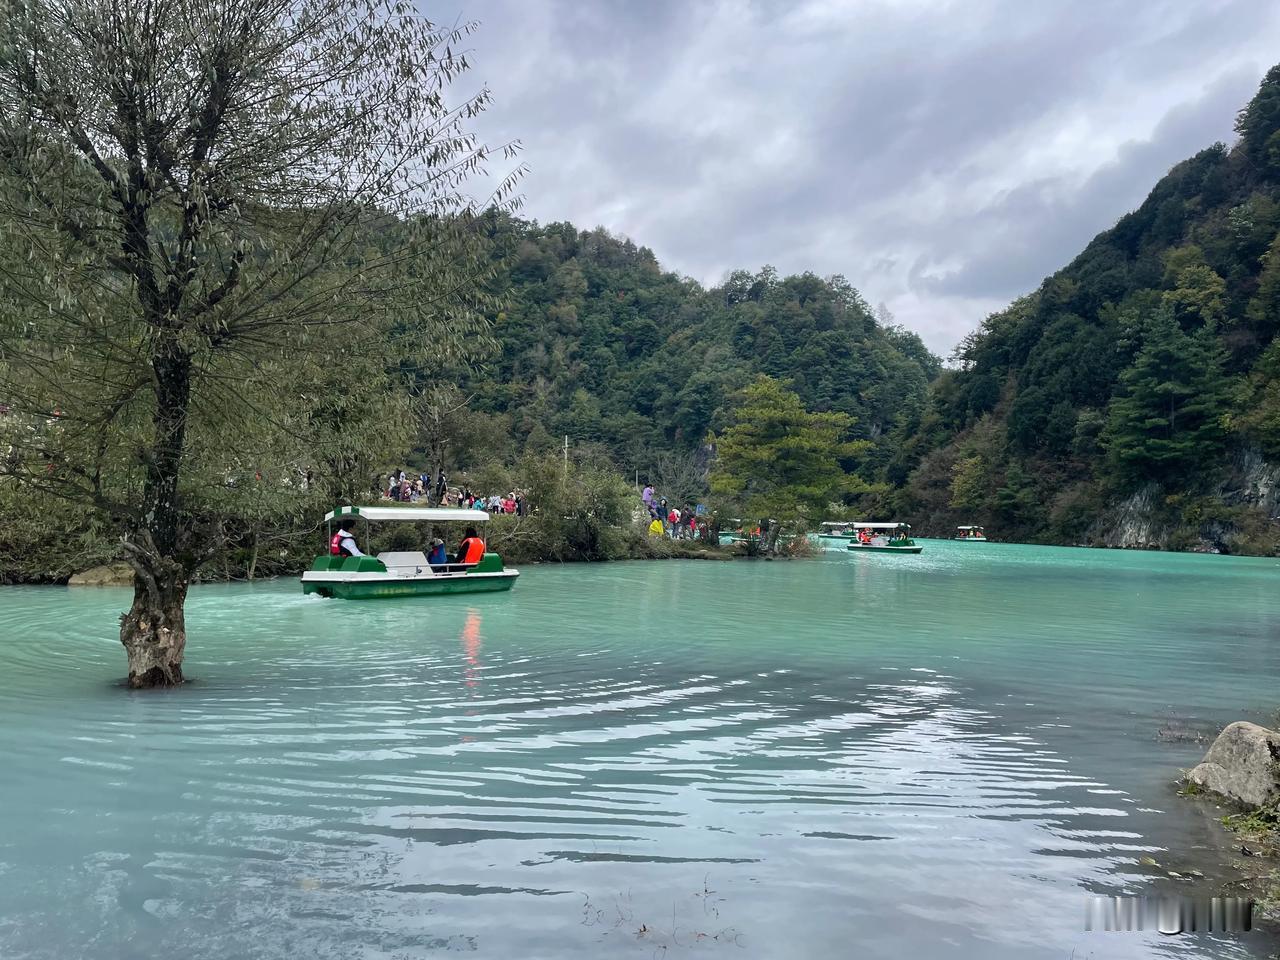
(154, 632)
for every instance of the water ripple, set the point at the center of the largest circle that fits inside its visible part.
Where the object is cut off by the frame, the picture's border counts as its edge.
(607, 751)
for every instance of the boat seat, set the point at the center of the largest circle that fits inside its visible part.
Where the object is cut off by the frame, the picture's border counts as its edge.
(364, 564)
(454, 567)
(347, 564)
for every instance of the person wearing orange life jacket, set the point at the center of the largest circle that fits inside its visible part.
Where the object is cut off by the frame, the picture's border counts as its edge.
(471, 550)
(343, 543)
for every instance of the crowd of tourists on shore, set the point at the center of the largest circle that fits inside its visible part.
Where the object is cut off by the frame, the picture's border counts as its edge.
(666, 519)
(407, 488)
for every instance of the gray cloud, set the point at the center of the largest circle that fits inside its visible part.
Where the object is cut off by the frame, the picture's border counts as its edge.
(943, 156)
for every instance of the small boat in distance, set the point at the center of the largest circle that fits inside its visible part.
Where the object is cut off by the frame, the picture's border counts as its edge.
(891, 537)
(970, 533)
(836, 531)
(405, 573)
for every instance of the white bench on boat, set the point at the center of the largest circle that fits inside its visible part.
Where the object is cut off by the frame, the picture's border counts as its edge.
(404, 561)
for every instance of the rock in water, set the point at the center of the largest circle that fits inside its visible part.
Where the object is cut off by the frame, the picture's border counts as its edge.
(1243, 764)
(111, 575)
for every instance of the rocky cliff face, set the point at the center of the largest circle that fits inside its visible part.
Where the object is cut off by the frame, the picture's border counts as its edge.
(1135, 523)
(1257, 484)
(1242, 515)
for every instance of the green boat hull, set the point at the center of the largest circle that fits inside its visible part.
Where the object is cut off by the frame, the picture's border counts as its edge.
(375, 590)
(867, 548)
(367, 578)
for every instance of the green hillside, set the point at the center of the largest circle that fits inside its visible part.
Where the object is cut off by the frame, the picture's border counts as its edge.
(1134, 399)
(599, 343)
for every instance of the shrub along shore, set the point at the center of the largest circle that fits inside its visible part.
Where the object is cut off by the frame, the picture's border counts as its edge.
(582, 513)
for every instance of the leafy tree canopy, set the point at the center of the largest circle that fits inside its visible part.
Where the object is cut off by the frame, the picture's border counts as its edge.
(775, 460)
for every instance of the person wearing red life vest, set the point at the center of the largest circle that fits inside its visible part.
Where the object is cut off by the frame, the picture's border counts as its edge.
(343, 543)
(471, 550)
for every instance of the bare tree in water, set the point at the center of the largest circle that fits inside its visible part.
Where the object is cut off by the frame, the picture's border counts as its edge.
(221, 221)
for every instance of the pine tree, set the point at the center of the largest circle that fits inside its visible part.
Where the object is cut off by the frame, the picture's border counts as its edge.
(778, 460)
(1167, 423)
(1259, 123)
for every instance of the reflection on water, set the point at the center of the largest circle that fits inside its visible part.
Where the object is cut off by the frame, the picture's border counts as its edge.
(856, 756)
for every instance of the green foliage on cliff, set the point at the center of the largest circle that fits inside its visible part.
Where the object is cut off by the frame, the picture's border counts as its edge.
(1148, 364)
(1166, 419)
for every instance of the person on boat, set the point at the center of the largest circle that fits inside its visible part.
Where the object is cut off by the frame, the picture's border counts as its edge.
(343, 543)
(437, 557)
(471, 549)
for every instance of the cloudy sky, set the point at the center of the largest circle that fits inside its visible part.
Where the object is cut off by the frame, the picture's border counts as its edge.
(944, 156)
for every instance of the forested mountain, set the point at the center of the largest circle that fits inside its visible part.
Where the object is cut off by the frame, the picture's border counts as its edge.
(599, 343)
(1135, 397)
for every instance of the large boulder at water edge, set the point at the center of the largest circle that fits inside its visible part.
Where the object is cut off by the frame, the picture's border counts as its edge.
(1243, 764)
(111, 575)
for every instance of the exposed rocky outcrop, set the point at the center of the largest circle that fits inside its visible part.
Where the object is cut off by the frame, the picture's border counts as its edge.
(1136, 523)
(1254, 483)
(109, 575)
(1239, 515)
(1243, 765)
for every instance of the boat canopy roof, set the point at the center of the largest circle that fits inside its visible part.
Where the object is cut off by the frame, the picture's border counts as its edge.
(971, 528)
(838, 523)
(438, 514)
(881, 526)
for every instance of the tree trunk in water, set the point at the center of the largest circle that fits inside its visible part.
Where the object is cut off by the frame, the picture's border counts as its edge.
(154, 630)
(253, 557)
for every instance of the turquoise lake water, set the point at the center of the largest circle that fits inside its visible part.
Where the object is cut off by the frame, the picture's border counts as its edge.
(853, 756)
